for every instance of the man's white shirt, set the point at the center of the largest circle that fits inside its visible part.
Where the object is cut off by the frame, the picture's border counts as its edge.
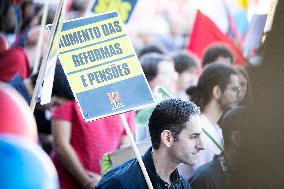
(210, 149)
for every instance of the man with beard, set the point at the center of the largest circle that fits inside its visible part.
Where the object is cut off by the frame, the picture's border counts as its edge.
(216, 92)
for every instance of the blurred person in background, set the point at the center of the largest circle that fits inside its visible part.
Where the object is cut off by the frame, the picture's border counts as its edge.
(77, 9)
(245, 86)
(186, 66)
(14, 61)
(8, 21)
(146, 32)
(151, 48)
(216, 92)
(29, 18)
(217, 53)
(160, 72)
(20, 60)
(79, 146)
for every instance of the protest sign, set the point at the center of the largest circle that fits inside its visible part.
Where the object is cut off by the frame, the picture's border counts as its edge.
(124, 7)
(101, 66)
(103, 70)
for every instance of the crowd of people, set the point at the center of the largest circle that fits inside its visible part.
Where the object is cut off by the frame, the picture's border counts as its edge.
(209, 129)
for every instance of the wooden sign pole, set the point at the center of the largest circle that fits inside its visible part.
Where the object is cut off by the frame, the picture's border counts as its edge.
(136, 151)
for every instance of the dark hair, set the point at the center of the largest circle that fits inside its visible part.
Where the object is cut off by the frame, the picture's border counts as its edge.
(61, 87)
(7, 12)
(214, 52)
(170, 114)
(5, 5)
(233, 120)
(150, 49)
(77, 6)
(183, 61)
(33, 78)
(150, 62)
(24, 5)
(214, 74)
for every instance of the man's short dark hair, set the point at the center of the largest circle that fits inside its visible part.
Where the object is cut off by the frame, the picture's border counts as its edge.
(183, 61)
(214, 52)
(170, 114)
(151, 48)
(150, 62)
(214, 74)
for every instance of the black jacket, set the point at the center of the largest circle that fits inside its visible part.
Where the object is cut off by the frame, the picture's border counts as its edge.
(129, 176)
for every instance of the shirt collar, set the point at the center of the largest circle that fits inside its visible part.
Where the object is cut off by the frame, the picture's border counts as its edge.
(176, 180)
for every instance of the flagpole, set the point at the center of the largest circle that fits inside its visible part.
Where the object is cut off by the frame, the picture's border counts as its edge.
(270, 16)
(39, 44)
(46, 54)
(136, 151)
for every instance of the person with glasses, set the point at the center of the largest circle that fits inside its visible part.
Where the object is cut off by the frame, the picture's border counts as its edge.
(216, 92)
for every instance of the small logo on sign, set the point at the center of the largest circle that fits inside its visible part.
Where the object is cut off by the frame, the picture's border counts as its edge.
(114, 98)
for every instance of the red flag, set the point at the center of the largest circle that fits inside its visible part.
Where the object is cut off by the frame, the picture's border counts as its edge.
(205, 33)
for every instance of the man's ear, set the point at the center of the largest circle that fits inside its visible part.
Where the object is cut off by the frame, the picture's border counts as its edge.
(235, 137)
(167, 138)
(216, 92)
